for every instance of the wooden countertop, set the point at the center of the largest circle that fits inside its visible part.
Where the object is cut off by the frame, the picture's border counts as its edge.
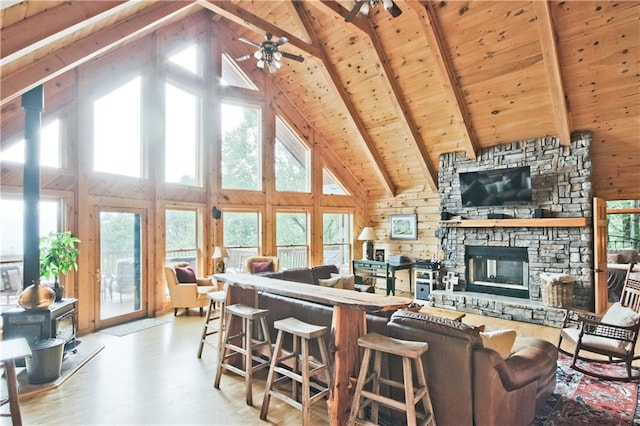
(367, 302)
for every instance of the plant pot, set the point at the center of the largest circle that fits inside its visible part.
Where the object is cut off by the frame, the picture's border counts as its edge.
(59, 290)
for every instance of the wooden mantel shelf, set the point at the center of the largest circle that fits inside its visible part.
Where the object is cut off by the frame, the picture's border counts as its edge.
(555, 222)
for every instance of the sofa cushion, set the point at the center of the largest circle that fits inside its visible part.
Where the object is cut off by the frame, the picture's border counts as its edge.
(330, 282)
(347, 281)
(300, 275)
(261, 267)
(323, 272)
(185, 274)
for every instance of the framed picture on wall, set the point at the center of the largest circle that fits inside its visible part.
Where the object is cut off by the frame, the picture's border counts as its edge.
(379, 256)
(403, 227)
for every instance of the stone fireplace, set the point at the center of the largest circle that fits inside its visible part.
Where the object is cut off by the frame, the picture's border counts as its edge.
(561, 189)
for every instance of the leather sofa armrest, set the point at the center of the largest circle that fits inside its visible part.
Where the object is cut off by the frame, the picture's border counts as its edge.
(520, 369)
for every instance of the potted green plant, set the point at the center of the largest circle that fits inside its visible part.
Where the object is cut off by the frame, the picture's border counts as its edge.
(58, 255)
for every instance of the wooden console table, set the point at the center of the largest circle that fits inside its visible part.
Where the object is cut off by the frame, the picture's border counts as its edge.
(386, 270)
(348, 324)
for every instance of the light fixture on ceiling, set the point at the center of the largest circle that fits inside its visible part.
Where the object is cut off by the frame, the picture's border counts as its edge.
(268, 53)
(363, 6)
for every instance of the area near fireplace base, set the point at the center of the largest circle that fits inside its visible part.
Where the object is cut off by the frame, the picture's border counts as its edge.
(509, 308)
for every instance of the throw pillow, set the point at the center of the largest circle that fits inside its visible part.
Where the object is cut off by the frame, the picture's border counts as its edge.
(616, 315)
(185, 274)
(348, 281)
(330, 282)
(500, 341)
(260, 267)
(613, 258)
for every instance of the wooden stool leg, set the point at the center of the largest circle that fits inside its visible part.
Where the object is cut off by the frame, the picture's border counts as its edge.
(355, 406)
(248, 368)
(408, 392)
(12, 388)
(296, 367)
(223, 322)
(326, 360)
(377, 363)
(271, 376)
(205, 329)
(221, 351)
(306, 388)
(426, 399)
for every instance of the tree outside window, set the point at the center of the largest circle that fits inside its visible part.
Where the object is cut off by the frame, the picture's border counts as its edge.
(336, 238)
(241, 237)
(241, 154)
(292, 239)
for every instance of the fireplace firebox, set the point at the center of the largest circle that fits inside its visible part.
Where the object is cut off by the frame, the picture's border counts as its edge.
(498, 270)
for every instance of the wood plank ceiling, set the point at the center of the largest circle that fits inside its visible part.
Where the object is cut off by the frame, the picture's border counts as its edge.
(389, 95)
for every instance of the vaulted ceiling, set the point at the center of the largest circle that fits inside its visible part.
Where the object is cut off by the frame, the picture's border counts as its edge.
(389, 95)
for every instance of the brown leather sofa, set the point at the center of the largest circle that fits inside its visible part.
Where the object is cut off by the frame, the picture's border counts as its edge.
(469, 384)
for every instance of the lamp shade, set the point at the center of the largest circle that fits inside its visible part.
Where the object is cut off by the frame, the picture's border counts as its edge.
(367, 234)
(220, 252)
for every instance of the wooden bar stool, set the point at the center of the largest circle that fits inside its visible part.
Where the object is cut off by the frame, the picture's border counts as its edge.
(213, 314)
(408, 351)
(10, 350)
(300, 372)
(248, 315)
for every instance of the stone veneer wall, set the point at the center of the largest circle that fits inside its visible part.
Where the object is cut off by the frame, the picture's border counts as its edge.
(561, 185)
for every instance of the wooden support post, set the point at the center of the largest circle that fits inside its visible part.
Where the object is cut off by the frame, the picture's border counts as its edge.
(347, 325)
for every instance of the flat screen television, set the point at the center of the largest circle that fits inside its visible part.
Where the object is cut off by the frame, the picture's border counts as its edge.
(496, 187)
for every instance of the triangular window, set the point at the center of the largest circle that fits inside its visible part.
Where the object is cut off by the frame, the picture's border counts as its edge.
(331, 185)
(232, 75)
(187, 58)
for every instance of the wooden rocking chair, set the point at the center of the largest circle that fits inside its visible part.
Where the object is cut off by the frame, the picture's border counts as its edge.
(614, 335)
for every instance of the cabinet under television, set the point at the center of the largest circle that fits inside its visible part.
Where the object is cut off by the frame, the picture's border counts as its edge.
(555, 222)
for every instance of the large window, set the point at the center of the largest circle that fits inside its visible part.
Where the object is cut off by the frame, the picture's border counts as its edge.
(181, 136)
(187, 58)
(117, 139)
(292, 160)
(11, 240)
(623, 224)
(336, 239)
(241, 237)
(49, 147)
(292, 239)
(241, 154)
(181, 230)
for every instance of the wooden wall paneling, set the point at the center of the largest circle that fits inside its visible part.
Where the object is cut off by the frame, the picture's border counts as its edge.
(24, 10)
(210, 144)
(65, 58)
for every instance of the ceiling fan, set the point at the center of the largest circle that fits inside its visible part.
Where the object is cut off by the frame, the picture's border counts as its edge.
(364, 6)
(268, 52)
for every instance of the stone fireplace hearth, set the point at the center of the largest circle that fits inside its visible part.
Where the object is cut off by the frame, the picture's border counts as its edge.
(561, 187)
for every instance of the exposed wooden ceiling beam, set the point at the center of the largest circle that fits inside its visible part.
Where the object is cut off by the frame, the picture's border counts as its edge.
(432, 32)
(554, 72)
(246, 19)
(396, 95)
(46, 27)
(332, 73)
(77, 53)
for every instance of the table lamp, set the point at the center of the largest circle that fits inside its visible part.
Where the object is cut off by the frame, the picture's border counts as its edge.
(220, 252)
(367, 235)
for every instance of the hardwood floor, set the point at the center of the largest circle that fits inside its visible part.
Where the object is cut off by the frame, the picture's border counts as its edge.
(154, 377)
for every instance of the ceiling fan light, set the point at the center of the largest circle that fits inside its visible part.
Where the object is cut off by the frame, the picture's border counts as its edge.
(365, 9)
(277, 55)
(272, 67)
(278, 64)
(387, 4)
(260, 64)
(257, 54)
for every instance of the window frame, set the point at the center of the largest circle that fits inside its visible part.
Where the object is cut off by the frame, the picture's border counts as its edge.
(308, 213)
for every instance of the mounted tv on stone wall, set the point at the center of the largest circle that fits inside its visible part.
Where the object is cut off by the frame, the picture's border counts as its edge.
(496, 187)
